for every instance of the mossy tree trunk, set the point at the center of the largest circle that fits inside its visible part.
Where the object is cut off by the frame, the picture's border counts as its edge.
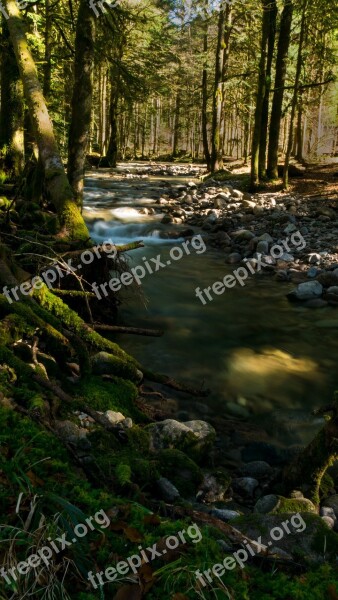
(308, 468)
(12, 114)
(82, 98)
(56, 184)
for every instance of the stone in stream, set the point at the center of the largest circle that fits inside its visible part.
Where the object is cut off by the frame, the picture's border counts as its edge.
(306, 291)
(314, 258)
(258, 469)
(225, 515)
(245, 486)
(265, 237)
(243, 234)
(290, 228)
(332, 502)
(263, 247)
(234, 258)
(313, 272)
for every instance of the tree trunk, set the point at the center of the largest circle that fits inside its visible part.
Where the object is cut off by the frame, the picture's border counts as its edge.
(82, 98)
(222, 55)
(295, 96)
(12, 113)
(277, 102)
(205, 97)
(113, 142)
(256, 138)
(56, 183)
(177, 125)
(47, 68)
(265, 109)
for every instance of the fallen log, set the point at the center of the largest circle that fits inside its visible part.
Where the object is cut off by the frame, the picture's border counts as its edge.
(131, 330)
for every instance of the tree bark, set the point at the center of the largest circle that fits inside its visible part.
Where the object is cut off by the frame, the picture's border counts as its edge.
(82, 98)
(295, 95)
(277, 102)
(222, 55)
(47, 69)
(56, 183)
(265, 108)
(12, 112)
(205, 96)
(113, 139)
(177, 125)
(260, 95)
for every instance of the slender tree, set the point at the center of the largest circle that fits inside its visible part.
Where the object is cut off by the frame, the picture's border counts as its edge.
(256, 138)
(82, 98)
(278, 94)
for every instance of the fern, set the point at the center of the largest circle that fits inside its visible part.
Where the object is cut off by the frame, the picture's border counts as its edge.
(123, 473)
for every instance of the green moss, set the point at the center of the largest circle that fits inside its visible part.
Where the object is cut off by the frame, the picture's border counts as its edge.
(180, 470)
(69, 318)
(293, 505)
(326, 485)
(117, 395)
(139, 439)
(71, 221)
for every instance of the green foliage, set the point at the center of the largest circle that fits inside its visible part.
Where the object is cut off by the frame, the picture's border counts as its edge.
(123, 473)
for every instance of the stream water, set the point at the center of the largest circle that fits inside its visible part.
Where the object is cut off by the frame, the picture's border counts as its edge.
(261, 356)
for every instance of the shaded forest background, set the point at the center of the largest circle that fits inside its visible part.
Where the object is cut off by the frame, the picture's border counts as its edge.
(199, 80)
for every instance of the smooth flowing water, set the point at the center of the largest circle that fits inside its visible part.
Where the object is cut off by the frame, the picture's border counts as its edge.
(258, 354)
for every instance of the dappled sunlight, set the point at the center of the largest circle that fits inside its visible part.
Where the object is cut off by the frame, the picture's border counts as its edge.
(271, 372)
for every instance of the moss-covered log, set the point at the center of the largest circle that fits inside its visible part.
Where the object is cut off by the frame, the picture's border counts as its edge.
(307, 470)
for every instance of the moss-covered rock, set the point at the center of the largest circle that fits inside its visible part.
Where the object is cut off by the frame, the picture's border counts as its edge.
(274, 504)
(180, 470)
(193, 437)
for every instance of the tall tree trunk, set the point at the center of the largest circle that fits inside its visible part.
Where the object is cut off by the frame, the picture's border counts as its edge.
(82, 98)
(295, 95)
(222, 55)
(12, 112)
(260, 95)
(205, 96)
(47, 68)
(56, 183)
(278, 95)
(177, 125)
(113, 141)
(265, 109)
